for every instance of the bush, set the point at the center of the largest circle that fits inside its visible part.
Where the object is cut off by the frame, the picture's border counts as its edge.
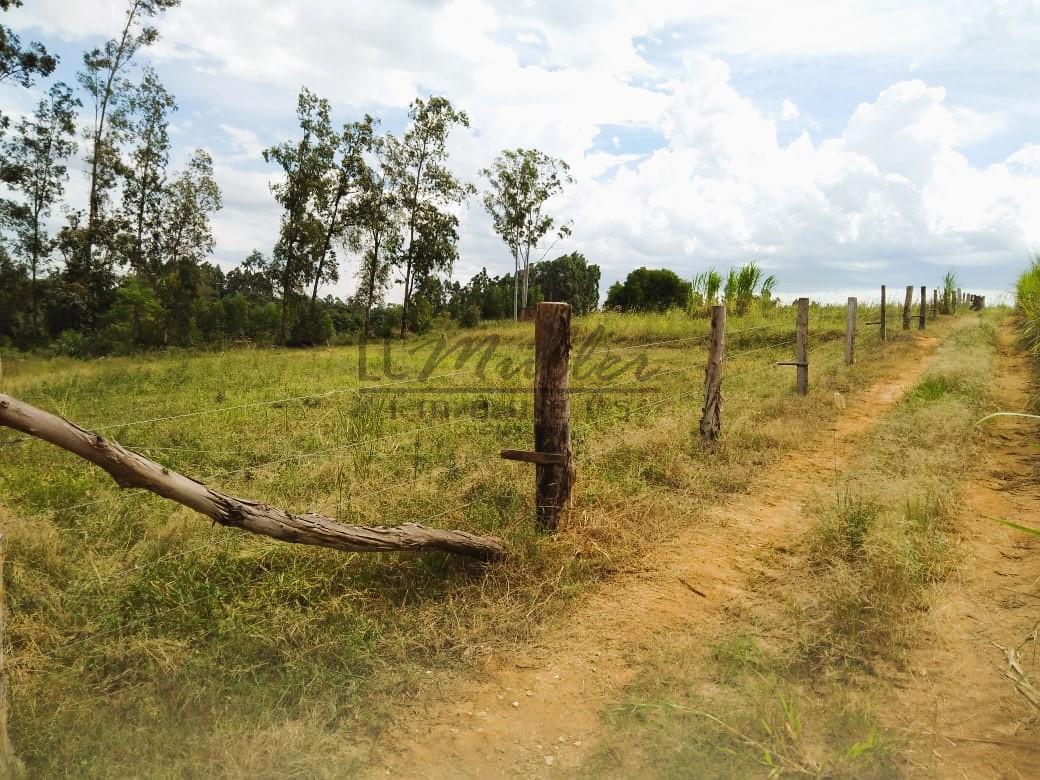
(73, 344)
(649, 290)
(469, 316)
(313, 326)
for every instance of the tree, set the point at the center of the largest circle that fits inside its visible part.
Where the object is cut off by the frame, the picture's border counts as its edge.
(570, 279)
(649, 290)
(305, 164)
(149, 107)
(376, 234)
(426, 190)
(103, 80)
(251, 279)
(35, 167)
(521, 182)
(187, 236)
(343, 179)
(19, 65)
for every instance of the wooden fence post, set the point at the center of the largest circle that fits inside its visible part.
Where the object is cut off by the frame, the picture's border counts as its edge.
(956, 300)
(801, 348)
(924, 307)
(10, 766)
(884, 315)
(711, 415)
(552, 411)
(935, 303)
(850, 332)
(907, 303)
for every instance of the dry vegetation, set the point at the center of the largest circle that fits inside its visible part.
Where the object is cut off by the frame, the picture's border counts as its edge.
(141, 637)
(800, 687)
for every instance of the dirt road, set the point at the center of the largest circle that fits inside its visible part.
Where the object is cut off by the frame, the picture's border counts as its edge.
(540, 709)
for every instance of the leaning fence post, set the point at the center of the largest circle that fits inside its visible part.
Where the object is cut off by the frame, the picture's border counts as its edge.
(850, 332)
(801, 345)
(907, 303)
(552, 412)
(711, 415)
(884, 315)
(924, 307)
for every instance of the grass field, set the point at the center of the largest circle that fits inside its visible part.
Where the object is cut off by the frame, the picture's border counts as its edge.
(141, 637)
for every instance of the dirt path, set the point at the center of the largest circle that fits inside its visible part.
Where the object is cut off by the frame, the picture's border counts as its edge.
(965, 706)
(540, 709)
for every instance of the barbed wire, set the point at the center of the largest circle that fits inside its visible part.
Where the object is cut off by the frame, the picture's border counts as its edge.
(350, 445)
(585, 457)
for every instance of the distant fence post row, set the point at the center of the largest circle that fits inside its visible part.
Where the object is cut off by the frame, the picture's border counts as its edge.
(554, 471)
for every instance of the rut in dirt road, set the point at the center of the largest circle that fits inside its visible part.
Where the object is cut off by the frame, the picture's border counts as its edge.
(541, 708)
(983, 628)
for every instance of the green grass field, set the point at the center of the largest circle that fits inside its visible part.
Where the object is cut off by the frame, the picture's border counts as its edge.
(143, 640)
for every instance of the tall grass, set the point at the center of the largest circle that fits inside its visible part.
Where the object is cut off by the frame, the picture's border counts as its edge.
(1027, 302)
(740, 288)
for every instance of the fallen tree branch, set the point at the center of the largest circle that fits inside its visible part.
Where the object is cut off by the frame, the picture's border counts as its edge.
(131, 470)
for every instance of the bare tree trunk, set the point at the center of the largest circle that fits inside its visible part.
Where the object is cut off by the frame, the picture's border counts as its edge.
(131, 470)
(516, 286)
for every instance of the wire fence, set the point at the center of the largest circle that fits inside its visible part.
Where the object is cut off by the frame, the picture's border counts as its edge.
(748, 362)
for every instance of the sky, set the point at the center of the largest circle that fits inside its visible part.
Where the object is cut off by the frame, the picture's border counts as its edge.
(841, 144)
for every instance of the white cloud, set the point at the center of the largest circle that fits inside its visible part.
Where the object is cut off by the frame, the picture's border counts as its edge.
(893, 184)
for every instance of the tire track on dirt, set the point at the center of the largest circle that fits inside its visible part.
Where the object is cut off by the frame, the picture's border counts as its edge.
(961, 705)
(540, 709)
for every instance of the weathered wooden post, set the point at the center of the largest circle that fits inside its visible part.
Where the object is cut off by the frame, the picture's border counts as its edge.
(711, 415)
(884, 315)
(801, 346)
(935, 303)
(10, 766)
(850, 332)
(907, 303)
(924, 307)
(956, 300)
(554, 469)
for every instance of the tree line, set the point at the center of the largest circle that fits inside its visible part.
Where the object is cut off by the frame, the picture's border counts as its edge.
(132, 266)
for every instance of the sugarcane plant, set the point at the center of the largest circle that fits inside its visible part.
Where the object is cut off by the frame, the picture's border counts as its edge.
(949, 291)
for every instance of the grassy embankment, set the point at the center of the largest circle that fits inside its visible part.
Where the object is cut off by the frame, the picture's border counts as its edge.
(142, 639)
(798, 688)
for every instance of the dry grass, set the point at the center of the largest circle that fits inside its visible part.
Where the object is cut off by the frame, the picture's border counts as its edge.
(143, 641)
(793, 687)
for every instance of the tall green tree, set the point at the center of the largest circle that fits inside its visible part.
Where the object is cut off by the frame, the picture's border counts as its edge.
(376, 234)
(344, 181)
(150, 106)
(187, 237)
(305, 167)
(103, 78)
(521, 181)
(426, 191)
(35, 170)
